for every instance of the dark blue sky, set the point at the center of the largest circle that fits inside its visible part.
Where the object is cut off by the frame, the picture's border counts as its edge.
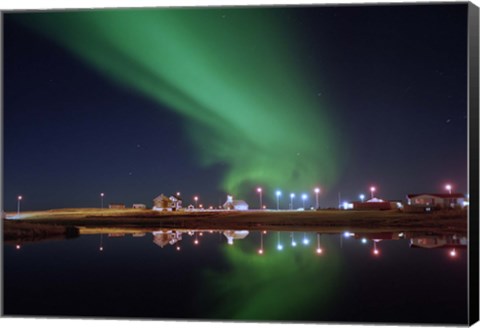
(397, 76)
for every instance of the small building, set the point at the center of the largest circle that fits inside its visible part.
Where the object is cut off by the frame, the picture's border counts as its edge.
(436, 201)
(139, 206)
(116, 206)
(374, 204)
(164, 203)
(235, 234)
(237, 205)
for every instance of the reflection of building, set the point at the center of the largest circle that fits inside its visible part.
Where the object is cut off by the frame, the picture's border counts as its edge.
(238, 205)
(439, 242)
(232, 234)
(162, 238)
(164, 203)
(436, 200)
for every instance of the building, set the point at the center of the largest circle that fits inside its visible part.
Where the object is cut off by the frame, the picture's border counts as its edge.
(237, 205)
(374, 204)
(116, 206)
(139, 206)
(235, 234)
(436, 201)
(164, 203)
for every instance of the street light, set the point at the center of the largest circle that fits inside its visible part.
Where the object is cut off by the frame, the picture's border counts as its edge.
(292, 196)
(101, 198)
(259, 190)
(372, 190)
(18, 205)
(196, 200)
(449, 188)
(317, 191)
(278, 193)
(362, 197)
(304, 197)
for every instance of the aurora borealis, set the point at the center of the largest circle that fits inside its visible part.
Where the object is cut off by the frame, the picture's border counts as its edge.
(229, 72)
(137, 102)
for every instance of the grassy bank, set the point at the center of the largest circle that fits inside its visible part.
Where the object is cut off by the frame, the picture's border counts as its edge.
(394, 220)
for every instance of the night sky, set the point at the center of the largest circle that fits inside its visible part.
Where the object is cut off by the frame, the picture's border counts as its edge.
(134, 103)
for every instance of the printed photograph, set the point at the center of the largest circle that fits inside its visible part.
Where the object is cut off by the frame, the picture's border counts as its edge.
(282, 163)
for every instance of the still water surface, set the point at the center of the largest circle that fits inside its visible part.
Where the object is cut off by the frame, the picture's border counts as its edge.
(242, 275)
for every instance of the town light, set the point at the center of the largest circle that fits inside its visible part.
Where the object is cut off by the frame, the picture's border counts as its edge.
(278, 193)
(19, 198)
(292, 196)
(372, 190)
(101, 199)
(259, 190)
(196, 200)
(449, 188)
(362, 197)
(304, 197)
(317, 191)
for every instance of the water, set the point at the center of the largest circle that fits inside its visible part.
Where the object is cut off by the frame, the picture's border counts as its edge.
(256, 276)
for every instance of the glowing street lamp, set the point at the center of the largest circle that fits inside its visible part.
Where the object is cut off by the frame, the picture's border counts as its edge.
(278, 194)
(319, 249)
(101, 199)
(196, 201)
(178, 193)
(449, 188)
(362, 197)
(372, 190)
(292, 196)
(317, 191)
(294, 243)
(260, 251)
(304, 197)
(19, 198)
(279, 245)
(259, 190)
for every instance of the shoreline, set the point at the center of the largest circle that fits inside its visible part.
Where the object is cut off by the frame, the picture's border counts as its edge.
(324, 220)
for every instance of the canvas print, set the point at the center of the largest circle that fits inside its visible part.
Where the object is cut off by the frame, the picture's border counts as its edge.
(253, 163)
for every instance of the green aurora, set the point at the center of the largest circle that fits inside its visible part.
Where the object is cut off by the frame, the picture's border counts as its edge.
(232, 74)
(287, 285)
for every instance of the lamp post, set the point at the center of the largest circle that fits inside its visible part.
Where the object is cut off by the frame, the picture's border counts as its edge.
(196, 201)
(19, 198)
(101, 199)
(259, 190)
(449, 188)
(304, 197)
(372, 190)
(278, 194)
(317, 191)
(292, 196)
(362, 197)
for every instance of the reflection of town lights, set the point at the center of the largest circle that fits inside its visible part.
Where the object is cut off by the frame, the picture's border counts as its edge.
(101, 249)
(178, 248)
(260, 251)
(201, 233)
(364, 240)
(18, 247)
(305, 239)
(279, 247)
(294, 243)
(375, 251)
(196, 242)
(264, 232)
(319, 251)
(453, 253)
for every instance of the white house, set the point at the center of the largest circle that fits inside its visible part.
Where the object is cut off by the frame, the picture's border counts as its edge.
(235, 234)
(139, 206)
(164, 203)
(238, 205)
(436, 200)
